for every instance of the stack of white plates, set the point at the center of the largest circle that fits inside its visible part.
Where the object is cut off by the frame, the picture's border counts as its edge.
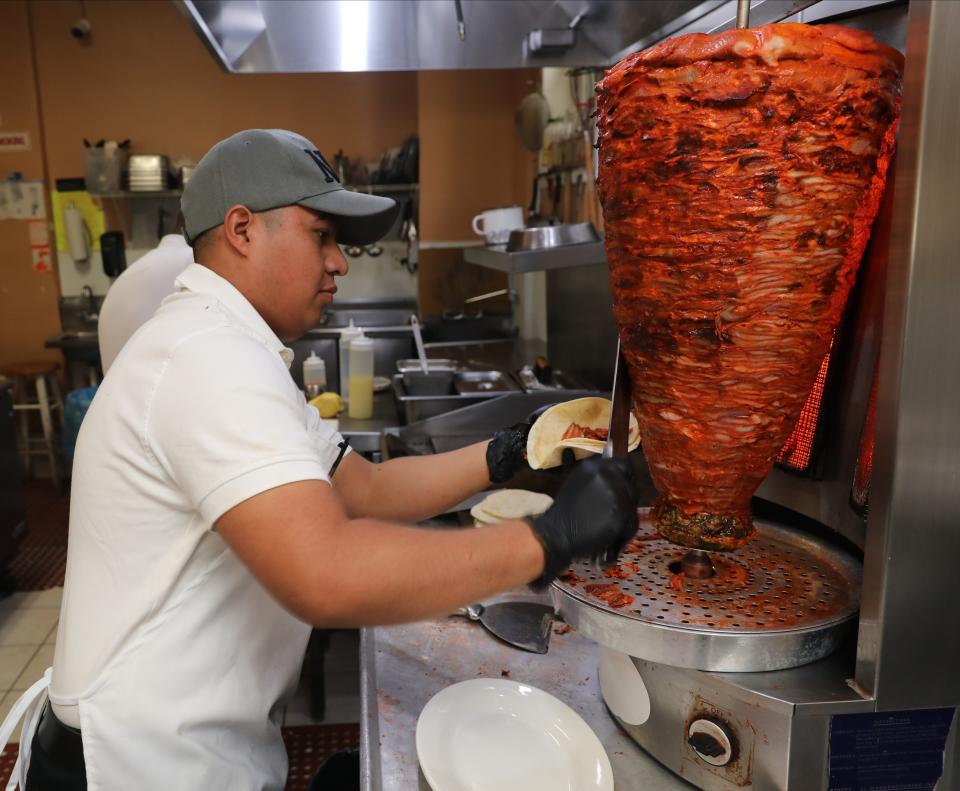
(148, 172)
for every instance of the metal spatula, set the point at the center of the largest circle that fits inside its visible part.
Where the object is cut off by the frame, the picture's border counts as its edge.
(522, 624)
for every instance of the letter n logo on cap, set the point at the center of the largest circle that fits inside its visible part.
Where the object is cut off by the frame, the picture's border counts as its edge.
(328, 171)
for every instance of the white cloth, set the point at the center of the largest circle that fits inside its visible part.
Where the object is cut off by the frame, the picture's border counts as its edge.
(28, 707)
(135, 296)
(170, 653)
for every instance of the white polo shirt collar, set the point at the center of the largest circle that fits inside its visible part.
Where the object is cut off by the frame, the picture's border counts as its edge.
(201, 280)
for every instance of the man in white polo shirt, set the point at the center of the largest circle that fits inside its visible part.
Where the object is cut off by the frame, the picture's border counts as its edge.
(213, 521)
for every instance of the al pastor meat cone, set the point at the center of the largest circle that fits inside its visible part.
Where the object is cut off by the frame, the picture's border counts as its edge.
(739, 176)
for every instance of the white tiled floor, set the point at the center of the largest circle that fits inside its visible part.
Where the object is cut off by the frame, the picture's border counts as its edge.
(28, 629)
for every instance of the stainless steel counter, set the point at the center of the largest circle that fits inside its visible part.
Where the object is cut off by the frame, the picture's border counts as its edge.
(402, 667)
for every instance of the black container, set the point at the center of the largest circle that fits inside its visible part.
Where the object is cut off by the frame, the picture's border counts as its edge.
(113, 253)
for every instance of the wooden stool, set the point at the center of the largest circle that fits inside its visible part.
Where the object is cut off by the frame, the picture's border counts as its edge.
(46, 390)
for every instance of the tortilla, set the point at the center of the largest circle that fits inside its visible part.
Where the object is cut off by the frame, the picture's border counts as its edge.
(545, 442)
(504, 505)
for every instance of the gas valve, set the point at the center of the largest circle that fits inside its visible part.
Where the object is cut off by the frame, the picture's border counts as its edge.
(712, 741)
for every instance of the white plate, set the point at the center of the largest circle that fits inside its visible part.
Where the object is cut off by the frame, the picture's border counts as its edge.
(493, 734)
(380, 383)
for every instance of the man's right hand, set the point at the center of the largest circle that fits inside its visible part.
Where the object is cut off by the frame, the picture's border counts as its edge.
(593, 515)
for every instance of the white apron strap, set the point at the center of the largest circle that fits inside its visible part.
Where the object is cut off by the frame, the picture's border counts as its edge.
(30, 703)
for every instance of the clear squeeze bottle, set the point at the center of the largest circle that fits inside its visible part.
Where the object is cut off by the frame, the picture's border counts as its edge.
(314, 375)
(347, 334)
(360, 402)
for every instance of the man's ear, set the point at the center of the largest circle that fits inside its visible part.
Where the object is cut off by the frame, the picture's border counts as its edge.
(236, 228)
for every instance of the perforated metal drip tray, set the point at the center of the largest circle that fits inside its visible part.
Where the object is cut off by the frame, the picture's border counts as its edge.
(781, 601)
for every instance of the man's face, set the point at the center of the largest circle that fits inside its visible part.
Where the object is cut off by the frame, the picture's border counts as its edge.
(296, 257)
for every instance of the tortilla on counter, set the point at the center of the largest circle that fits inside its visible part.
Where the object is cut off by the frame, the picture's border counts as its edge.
(580, 424)
(504, 505)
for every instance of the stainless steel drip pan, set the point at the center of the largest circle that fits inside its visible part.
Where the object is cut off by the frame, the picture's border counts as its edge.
(781, 601)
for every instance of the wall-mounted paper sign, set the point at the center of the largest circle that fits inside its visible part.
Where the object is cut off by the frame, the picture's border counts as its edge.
(22, 200)
(14, 141)
(40, 246)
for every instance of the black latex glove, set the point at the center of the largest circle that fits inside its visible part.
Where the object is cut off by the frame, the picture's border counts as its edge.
(593, 516)
(507, 451)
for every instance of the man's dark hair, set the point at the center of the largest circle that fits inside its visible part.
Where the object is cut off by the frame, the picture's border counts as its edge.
(201, 244)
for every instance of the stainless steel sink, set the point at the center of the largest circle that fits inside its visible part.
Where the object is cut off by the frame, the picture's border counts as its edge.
(77, 345)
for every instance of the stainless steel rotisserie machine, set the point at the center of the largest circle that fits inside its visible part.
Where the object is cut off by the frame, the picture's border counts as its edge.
(823, 654)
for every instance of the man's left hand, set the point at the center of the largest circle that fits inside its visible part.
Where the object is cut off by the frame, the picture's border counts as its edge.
(507, 451)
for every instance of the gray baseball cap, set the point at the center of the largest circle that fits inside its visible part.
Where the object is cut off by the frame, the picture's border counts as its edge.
(268, 168)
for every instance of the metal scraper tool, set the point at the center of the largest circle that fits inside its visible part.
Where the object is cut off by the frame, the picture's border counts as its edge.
(523, 624)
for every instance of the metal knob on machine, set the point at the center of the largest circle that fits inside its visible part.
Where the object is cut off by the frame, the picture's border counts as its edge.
(712, 741)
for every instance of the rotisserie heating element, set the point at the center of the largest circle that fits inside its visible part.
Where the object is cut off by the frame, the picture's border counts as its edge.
(739, 176)
(797, 452)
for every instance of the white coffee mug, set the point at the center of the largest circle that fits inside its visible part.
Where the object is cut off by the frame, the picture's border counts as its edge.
(497, 223)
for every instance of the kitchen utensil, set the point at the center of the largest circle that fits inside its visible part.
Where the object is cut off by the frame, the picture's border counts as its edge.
(186, 172)
(549, 236)
(531, 119)
(103, 168)
(495, 225)
(112, 253)
(500, 292)
(434, 364)
(496, 733)
(148, 172)
(582, 90)
(618, 434)
(522, 624)
(418, 339)
(381, 384)
(432, 383)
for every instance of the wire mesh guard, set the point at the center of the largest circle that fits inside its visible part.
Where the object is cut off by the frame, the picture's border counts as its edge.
(782, 580)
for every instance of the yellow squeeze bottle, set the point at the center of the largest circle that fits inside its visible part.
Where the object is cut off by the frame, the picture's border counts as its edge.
(360, 382)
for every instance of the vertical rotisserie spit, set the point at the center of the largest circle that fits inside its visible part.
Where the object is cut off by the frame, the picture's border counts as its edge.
(739, 176)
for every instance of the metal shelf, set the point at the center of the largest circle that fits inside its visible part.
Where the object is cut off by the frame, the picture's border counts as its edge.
(138, 194)
(571, 255)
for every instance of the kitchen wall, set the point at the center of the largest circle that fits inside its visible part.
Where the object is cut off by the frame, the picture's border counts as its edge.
(144, 75)
(472, 161)
(28, 299)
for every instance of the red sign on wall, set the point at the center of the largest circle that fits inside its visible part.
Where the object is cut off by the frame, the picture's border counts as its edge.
(14, 141)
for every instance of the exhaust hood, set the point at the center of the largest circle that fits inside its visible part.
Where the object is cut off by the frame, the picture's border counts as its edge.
(250, 36)
(264, 36)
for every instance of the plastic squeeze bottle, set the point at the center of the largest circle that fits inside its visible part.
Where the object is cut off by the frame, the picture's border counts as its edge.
(360, 402)
(314, 375)
(347, 334)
